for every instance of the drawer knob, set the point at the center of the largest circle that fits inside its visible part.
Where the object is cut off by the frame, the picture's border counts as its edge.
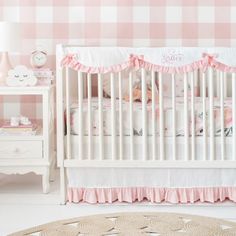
(17, 150)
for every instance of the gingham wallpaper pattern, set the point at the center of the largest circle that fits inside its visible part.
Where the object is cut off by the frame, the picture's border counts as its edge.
(114, 23)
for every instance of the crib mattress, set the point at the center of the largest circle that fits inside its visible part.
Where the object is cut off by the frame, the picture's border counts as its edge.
(137, 117)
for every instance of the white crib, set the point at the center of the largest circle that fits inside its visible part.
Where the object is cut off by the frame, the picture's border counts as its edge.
(159, 144)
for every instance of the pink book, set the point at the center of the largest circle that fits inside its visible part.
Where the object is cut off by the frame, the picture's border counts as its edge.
(21, 128)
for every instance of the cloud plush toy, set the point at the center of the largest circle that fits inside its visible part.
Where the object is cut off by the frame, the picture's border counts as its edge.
(21, 76)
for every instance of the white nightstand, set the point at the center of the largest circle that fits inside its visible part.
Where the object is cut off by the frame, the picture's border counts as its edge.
(22, 154)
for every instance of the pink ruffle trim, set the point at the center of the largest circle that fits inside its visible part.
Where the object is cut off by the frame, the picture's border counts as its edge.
(154, 195)
(175, 70)
(222, 67)
(137, 61)
(71, 61)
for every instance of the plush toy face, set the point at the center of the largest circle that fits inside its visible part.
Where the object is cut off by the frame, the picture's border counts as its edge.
(21, 76)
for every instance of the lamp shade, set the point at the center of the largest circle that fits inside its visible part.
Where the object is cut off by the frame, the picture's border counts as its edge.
(9, 36)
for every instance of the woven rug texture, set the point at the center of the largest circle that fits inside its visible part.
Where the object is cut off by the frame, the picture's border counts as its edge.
(135, 224)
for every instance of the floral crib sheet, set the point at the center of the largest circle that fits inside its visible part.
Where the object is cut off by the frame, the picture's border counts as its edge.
(137, 117)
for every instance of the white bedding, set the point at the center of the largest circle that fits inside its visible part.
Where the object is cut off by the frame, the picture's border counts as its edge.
(137, 117)
(151, 177)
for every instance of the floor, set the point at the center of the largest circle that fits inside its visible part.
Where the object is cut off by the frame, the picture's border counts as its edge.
(22, 205)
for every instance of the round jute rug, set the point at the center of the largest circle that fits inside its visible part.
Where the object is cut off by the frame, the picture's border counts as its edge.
(135, 224)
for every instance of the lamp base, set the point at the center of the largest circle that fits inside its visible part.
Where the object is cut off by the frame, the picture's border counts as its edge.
(5, 66)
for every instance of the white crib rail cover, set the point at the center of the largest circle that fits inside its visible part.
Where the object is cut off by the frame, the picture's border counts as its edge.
(167, 60)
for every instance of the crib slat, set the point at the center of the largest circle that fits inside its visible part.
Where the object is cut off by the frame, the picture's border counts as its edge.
(234, 115)
(222, 94)
(193, 115)
(131, 116)
(68, 126)
(211, 114)
(161, 118)
(218, 83)
(226, 85)
(204, 116)
(100, 111)
(80, 102)
(153, 116)
(120, 115)
(90, 124)
(197, 82)
(85, 83)
(186, 121)
(113, 116)
(173, 116)
(144, 113)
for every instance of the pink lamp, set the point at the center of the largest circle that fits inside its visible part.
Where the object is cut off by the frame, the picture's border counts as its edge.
(9, 42)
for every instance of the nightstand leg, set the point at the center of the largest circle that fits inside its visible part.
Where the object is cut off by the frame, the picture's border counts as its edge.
(52, 171)
(46, 183)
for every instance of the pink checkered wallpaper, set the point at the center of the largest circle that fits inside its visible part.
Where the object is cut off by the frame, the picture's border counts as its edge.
(117, 22)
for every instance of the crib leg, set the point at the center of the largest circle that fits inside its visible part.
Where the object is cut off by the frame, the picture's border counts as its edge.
(63, 186)
(52, 170)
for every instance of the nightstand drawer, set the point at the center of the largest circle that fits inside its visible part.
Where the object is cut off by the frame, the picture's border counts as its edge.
(21, 149)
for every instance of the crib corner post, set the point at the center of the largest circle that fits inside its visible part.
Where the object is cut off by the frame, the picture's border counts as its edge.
(59, 109)
(234, 114)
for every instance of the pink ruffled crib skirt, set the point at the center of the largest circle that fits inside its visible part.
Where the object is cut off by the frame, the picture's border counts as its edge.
(154, 195)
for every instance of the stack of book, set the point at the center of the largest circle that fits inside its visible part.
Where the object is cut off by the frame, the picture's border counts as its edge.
(45, 76)
(19, 130)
